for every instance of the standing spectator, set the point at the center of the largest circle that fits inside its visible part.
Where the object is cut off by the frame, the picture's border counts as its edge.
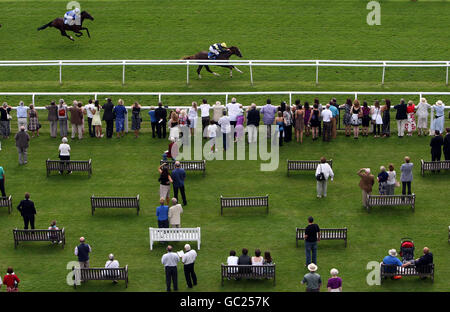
(312, 236)
(153, 120)
(174, 214)
(323, 172)
(5, 116)
(438, 121)
(204, 109)
(164, 179)
(436, 146)
(356, 118)
(306, 117)
(299, 122)
(287, 115)
(161, 117)
(64, 155)
(314, 121)
(391, 181)
(96, 120)
(188, 260)
(347, 116)
(233, 111)
(53, 118)
(170, 261)
(377, 119)
(320, 108)
(27, 211)
(112, 264)
(22, 114)
(33, 121)
(401, 117)
(212, 134)
(136, 118)
(253, 120)
(240, 119)
(82, 252)
(62, 118)
(183, 124)
(174, 129)
(11, 281)
(447, 145)
(386, 109)
(120, 112)
(89, 108)
(407, 175)
(279, 122)
(334, 108)
(411, 121)
(366, 183)
(217, 111)
(2, 181)
(382, 178)
(22, 138)
(268, 112)
(225, 128)
(76, 119)
(162, 213)
(192, 117)
(178, 176)
(108, 117)
(334, 283)
(327, 116)
(312, 279)
(422, 116)
(365, 120)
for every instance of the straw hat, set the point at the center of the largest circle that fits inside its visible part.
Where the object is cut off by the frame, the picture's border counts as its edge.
(439, 102)
(393, 252)
(312, 267)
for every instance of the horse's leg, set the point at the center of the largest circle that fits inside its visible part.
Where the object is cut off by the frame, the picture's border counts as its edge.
(208, 69)
(78, 33)
(87, 31)
(64, 34)
(199, 69)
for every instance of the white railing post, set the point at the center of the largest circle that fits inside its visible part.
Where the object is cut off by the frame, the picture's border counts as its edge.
(446, 75)
(60, 72)
(317, 72)
(123, 73)
(226, 99)
(356, 95)
(159, 97)
(187, 72)
(251, 72)
(95, 96)
(384, 70)
(32, 99)
(290, 98)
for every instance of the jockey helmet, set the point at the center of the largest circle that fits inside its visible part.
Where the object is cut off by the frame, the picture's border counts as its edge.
(77, 10)
(223, 44)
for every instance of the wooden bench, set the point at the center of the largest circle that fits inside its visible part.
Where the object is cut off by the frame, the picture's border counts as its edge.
(70, 165)
(114, 202)
(6, 202)
(434, 165)
(39, 236)
(248, 272)
(252, 201)
(188, 165)
(389, 270)
(302, 165)
(391, 200)
(175, 235)
(100, 274)
(325, 234)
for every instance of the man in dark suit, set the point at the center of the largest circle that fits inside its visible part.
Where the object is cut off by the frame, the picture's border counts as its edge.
(253, 119)
(244, 259)
(108, 117)
(27, 210)
(436, 147)
(161, 116)
(447, 144)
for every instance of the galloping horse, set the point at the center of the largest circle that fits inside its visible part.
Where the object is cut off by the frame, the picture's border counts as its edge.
(203, 55)
(58, 23)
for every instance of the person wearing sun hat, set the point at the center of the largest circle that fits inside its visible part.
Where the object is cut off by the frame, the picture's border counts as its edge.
(312, 279)
(392, 260)
(439, 119)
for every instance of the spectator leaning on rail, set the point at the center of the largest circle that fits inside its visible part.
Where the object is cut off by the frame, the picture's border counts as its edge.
(22, 114)
(407, 175)
(108, 117)
(366, 183)
(62, 118)
(161, 117)
(323, 172)
(53, 118)
(327, 116)
(422, 116)
(204, 111)
(120, 112)
(89, 108)
(76, 119)
(22, 138)
(253, 119)
(401, 117)
(334, 108)
(268, 112)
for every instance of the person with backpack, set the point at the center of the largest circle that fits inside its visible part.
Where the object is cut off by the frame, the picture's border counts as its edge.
(62, 118)
(323, 172)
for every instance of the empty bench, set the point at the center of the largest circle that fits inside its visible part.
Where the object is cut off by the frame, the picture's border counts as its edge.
(6, 202)
(39, 236)
(252, 201)
(114, 202)
(304, 165)
(389, 270)
(391, 200)
(175, 235)
(325, 234)
(248, 272)
(69, 165)
(100, 274)
(188, 165)
(434, 165)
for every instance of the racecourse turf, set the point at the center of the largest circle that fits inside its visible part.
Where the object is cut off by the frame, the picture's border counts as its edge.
(262, 30)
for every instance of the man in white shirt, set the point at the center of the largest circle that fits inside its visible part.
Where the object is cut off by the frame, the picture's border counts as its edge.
(326, 117)
(64, 154)
(225, 127)
(233, 112)
(112, 264)
(205, 107)
(88, 108)
(212, 134)
(170, 261)
(325, 171)
(175, 212)
(188, 260)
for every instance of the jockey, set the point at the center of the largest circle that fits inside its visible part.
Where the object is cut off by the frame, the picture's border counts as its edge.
(216, 49)
(71, 17)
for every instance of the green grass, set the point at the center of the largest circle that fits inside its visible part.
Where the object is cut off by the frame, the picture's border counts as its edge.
(262, 30)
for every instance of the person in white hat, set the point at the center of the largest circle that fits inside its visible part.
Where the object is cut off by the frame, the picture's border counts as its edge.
(334, 283)
(392, 260)
(439, 119)
(112, 264)
(312, 279)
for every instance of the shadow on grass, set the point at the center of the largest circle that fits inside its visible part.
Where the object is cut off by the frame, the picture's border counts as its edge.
(245, 212)
(39, 248)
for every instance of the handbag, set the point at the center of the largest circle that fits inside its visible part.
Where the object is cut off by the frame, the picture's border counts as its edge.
(320, 176)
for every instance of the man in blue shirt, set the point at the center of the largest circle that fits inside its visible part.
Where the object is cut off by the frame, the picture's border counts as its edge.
(178, 175)
(153, 121)
(162, 212)
(335, 111)
(120, 112)
(392, 261)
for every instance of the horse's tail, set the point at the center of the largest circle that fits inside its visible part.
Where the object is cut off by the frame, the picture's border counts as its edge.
(45, 26)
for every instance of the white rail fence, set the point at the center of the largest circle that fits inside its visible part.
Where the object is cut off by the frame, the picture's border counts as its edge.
(249, 63)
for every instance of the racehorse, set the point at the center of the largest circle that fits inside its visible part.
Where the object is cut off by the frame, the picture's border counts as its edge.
(203, 55)
(58, 23)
